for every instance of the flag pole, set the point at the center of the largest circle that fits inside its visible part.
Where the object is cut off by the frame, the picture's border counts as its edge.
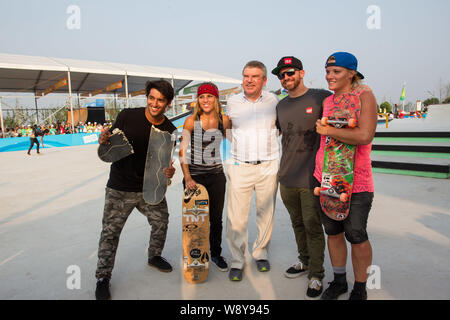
(402, 97)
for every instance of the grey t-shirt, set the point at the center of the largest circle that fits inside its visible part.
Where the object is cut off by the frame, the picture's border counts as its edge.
(296, 119)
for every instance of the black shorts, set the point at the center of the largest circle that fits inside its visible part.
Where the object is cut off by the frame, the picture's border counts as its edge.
(355, 225)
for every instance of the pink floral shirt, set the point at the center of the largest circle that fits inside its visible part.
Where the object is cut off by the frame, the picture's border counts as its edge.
(362, 179)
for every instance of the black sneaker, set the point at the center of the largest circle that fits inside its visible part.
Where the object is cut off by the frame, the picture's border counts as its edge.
(263, 265)
(160, 263)
(102, 290)
(296, 270)
(235, 274)
(335, 290)
(358, 295)
(314, 289)
(220, 263)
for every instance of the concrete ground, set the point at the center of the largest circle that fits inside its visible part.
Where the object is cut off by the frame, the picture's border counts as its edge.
(50, 222)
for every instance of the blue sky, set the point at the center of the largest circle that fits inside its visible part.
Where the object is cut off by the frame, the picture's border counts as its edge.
(411, 46)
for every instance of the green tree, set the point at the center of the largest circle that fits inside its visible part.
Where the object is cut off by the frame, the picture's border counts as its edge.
(10, 120)
(112, 109)
(386, 106)
(430, 101)
(19, 116)
(446, 100)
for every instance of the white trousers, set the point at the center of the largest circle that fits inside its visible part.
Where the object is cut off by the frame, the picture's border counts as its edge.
(243, 179)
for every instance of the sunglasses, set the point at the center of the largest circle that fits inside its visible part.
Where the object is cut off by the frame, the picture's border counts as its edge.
(289, 72)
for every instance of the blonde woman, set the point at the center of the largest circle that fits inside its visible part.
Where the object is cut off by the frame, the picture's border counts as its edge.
(349, 95)
(201, 161)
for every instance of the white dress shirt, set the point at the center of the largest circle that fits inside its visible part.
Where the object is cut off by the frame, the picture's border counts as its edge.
(254, 132)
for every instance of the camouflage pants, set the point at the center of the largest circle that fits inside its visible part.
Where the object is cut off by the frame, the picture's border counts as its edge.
(118, 206)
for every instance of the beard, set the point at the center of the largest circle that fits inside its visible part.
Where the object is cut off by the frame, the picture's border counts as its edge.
(291, 85)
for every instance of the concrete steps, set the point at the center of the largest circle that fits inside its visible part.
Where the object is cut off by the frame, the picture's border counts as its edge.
(412, 153)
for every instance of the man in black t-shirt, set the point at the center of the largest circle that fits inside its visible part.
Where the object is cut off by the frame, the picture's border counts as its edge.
(296, 118)
(124, 187)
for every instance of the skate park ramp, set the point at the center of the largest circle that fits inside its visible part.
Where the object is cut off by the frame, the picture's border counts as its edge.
(415, 146)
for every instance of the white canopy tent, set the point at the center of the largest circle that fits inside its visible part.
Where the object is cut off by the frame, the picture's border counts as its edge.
(33, 74)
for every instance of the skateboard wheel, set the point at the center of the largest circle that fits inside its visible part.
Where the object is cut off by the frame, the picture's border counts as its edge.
(352, 123)
(317, 191)
(324, 121)
(343, 197)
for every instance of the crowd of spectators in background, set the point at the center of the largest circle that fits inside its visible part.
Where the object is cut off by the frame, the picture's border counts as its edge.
(54, 129)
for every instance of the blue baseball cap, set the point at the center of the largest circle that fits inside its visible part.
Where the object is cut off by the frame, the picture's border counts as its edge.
(344, 59)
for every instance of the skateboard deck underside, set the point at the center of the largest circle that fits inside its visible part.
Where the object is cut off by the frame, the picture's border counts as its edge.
(118, 147)
(195, 234)
(159, 156)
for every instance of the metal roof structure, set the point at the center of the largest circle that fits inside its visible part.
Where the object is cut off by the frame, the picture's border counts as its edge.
(20, 73)
(45, 75)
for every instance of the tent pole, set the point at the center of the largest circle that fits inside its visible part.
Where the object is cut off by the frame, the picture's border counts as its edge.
(1, 117)
(126, 89)
(79, 107)
(37, 111)
(70, 98)
(174, 100)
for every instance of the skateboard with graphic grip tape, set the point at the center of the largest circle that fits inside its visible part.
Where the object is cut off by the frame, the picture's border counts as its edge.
(337, 174)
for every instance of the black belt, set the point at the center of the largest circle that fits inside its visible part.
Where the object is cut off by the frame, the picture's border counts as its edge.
(254, 162)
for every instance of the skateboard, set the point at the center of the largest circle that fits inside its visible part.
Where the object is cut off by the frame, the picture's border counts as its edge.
(159, 155)
(118, 147)
(195, 234)
(337, 175)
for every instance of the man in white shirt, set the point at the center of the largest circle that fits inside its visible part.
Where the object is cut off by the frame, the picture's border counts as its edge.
(255, 153)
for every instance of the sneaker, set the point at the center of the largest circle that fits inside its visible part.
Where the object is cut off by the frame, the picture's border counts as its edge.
(220, 263)
(358, 295)
(160, 263)
(314, 289)
(263, 265)
(334, 290)
(102, 290)
(296, 270)
(235, 274)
